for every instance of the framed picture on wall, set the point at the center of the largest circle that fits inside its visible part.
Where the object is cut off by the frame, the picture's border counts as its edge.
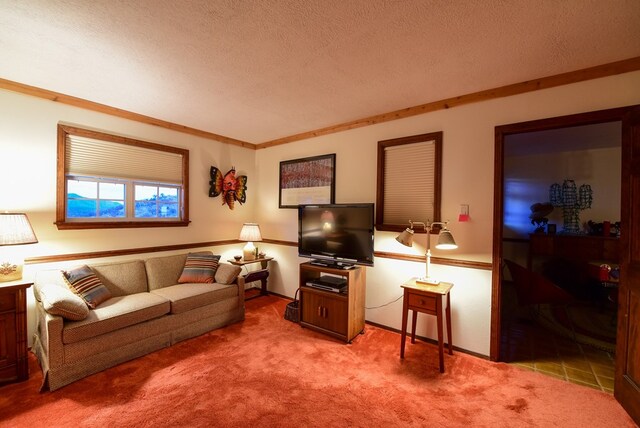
(306, 181)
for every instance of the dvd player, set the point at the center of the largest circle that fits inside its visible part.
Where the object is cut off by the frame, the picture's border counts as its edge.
(329, 283)
(332, 264)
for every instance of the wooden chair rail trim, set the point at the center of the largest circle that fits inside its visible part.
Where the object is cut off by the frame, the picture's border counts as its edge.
(471, 264)
(125, 252)
(129, 251)
(279, 242)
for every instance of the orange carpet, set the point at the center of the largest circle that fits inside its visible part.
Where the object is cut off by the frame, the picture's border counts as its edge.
(269, 372)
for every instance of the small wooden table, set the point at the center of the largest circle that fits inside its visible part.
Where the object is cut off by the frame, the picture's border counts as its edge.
(14, 366)
(256, 275)
(426, 299)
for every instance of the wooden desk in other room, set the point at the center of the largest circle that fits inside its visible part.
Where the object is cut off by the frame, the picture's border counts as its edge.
(581, 248)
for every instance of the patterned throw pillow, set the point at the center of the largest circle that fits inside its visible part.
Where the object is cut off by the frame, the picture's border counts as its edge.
(87, 285)
(59, 300)
(199, 268)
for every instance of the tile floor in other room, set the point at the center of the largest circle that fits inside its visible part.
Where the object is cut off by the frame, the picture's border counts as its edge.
(529, 345)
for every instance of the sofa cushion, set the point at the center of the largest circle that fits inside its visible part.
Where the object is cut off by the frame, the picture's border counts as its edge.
(61, 301)
(117, 312)
(122, 278)
(164, 271)
(185, 297)
(227, 273)
(84, 282)
(199, 268)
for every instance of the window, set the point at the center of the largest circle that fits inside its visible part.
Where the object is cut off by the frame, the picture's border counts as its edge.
(93, 198)
(107, 181)
(408, 186)
(156, 201)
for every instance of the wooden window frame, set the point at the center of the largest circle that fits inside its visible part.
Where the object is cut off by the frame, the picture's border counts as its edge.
(61, 183)
(436, 137)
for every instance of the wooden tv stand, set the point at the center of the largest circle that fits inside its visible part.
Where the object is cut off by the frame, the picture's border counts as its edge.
(340, 315)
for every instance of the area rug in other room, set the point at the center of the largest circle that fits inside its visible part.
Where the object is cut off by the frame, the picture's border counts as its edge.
(584, 322)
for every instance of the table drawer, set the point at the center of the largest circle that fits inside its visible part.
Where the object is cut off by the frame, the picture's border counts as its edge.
(420, 301)
(7, 302)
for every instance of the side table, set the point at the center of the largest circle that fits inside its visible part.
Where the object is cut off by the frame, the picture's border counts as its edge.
(13, 331)
(427, 299)
(256, 275)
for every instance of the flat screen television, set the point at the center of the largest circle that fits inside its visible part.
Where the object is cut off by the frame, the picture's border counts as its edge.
(337, 235)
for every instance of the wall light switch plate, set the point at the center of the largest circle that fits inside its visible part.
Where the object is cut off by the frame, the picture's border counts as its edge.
(464, 213)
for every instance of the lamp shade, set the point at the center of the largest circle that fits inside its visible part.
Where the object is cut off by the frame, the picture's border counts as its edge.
(250, 232)
(15, 229)
(446, 241)
(406, 237)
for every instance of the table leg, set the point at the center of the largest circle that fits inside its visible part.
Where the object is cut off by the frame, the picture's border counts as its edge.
(440, 332)
(263, 287)
(448, 315)
(403, 333)
(413, 326)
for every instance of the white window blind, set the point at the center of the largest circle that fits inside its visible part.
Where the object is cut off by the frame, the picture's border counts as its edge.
(99, 158)
(409, 182)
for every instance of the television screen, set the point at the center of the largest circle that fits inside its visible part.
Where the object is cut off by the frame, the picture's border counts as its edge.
(339, 234)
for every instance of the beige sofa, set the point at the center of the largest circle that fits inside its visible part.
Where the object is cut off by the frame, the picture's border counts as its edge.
(147, 311)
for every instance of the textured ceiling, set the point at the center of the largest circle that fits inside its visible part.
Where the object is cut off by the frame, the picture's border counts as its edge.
(264, 69)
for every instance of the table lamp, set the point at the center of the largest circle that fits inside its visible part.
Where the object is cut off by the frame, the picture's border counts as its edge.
(15, 229)
(445, 242)
(250, 232)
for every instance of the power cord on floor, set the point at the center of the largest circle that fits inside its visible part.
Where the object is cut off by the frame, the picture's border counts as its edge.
(386, 304)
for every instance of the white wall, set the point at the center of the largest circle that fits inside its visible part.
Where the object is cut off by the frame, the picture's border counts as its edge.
(468, 162)
(28, 142)
(28, 139)
(27, 183)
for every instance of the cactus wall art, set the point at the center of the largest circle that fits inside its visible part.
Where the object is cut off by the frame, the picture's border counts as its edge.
(572, 200)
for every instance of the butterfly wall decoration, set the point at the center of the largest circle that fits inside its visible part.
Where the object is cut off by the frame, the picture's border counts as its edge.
(231, 187)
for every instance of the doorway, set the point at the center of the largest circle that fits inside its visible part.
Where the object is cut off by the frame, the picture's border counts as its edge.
(626, 114)
(565, 326)
(627, 361)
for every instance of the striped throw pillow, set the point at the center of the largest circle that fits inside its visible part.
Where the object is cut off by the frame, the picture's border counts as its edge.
(199, 268)
(84, 282)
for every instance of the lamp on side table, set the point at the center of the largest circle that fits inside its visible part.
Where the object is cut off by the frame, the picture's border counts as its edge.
(445, 242)
(15, 229)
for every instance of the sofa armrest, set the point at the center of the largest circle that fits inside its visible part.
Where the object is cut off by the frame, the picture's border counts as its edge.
(240, 282)
(49, 331)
